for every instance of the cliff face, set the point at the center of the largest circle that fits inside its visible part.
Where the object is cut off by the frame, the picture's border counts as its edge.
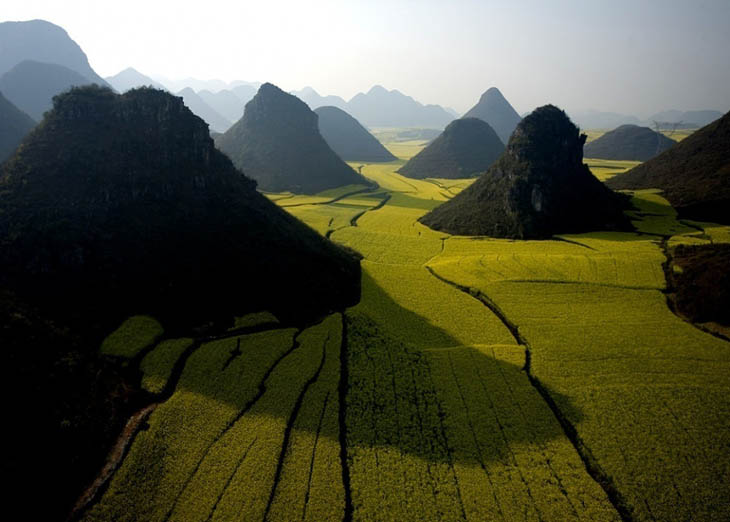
(539, 187)
(128, 195)
(277, 143)
(465, 149)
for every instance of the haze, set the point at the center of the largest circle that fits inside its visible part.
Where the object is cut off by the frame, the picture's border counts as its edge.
(623, 56)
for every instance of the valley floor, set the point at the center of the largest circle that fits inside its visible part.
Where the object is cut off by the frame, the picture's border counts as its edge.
(478, 379)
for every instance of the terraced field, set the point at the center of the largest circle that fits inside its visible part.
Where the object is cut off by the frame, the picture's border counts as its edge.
(477, 379)
(251, 431)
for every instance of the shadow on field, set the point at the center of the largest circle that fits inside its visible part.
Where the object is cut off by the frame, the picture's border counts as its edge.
(461, 404)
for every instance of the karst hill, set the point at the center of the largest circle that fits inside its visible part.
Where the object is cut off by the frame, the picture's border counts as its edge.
(126, 197)
(628, 142)
(465, 149)
(537, 188)
(350, 140)
(277, 142)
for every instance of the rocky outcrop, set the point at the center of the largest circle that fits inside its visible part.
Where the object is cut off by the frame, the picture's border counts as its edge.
(465, 149)
(539, 187)
(277, 143)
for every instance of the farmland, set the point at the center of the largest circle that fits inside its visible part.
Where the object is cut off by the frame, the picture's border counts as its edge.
(477, 379)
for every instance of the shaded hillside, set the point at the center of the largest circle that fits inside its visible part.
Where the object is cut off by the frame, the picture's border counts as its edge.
(465, 149)
(277, 143)
(382, 108)
(694, 174)
(31, 86)
(201, 109)
(350, 140)
(127, 196)
(701, 282)
(628, 142)
(119, 205)
(14, 125)
(131, 78)
(497, 112)
(42, 41)
(539, 187)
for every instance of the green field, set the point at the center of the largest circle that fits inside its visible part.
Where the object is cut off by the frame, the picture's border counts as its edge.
(477, 379)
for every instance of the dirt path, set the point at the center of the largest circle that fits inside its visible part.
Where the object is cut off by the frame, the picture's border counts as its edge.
(113, 460)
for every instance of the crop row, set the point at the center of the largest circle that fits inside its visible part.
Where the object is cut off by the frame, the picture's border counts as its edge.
(217, 449)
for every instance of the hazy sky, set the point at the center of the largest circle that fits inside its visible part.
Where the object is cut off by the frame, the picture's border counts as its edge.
(630, 56)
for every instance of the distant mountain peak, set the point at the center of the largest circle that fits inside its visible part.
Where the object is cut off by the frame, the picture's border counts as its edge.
(380, 107)
(494, 108)
(377, 89)
(45, 42)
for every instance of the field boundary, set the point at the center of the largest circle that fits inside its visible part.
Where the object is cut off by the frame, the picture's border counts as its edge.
(592, 466)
